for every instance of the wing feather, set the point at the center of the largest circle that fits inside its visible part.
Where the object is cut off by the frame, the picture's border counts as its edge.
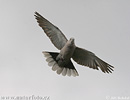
(53, 32)
(87, 58)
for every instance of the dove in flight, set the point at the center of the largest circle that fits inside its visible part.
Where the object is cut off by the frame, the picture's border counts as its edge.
(61, 61)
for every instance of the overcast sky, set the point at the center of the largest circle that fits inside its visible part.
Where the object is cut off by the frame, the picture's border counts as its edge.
(101, 26)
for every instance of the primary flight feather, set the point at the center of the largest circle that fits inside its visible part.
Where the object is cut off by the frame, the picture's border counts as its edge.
(61, 62)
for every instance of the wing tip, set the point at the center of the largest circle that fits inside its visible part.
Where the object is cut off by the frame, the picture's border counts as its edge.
(37, 15)
(109, 69)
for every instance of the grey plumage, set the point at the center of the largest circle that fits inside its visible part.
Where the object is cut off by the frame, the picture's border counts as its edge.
(61, 62)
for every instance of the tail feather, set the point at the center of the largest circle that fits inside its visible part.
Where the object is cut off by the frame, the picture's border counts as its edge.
(67, 69)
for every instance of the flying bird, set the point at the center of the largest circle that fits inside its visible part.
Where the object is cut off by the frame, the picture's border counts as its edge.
(61, 61)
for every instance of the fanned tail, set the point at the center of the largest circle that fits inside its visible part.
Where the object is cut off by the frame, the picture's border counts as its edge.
(67, 69)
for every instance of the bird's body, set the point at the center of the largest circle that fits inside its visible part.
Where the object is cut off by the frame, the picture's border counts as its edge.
(68, 50)
(61, 62)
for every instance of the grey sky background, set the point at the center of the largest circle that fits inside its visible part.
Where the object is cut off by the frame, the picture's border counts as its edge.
(101, 26)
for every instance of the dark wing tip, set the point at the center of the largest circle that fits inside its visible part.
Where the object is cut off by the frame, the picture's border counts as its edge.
(109, 69)
(37, 15)
(105, 67)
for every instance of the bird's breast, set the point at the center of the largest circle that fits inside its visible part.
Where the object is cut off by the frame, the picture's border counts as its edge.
(67, 51)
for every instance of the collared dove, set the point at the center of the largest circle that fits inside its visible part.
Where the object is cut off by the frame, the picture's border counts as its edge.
(61, 62)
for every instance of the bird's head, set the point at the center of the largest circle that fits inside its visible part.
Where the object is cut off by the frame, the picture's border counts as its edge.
(71, 40)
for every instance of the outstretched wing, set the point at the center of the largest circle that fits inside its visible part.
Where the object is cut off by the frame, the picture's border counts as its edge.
(53, 32)
(87, 58)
